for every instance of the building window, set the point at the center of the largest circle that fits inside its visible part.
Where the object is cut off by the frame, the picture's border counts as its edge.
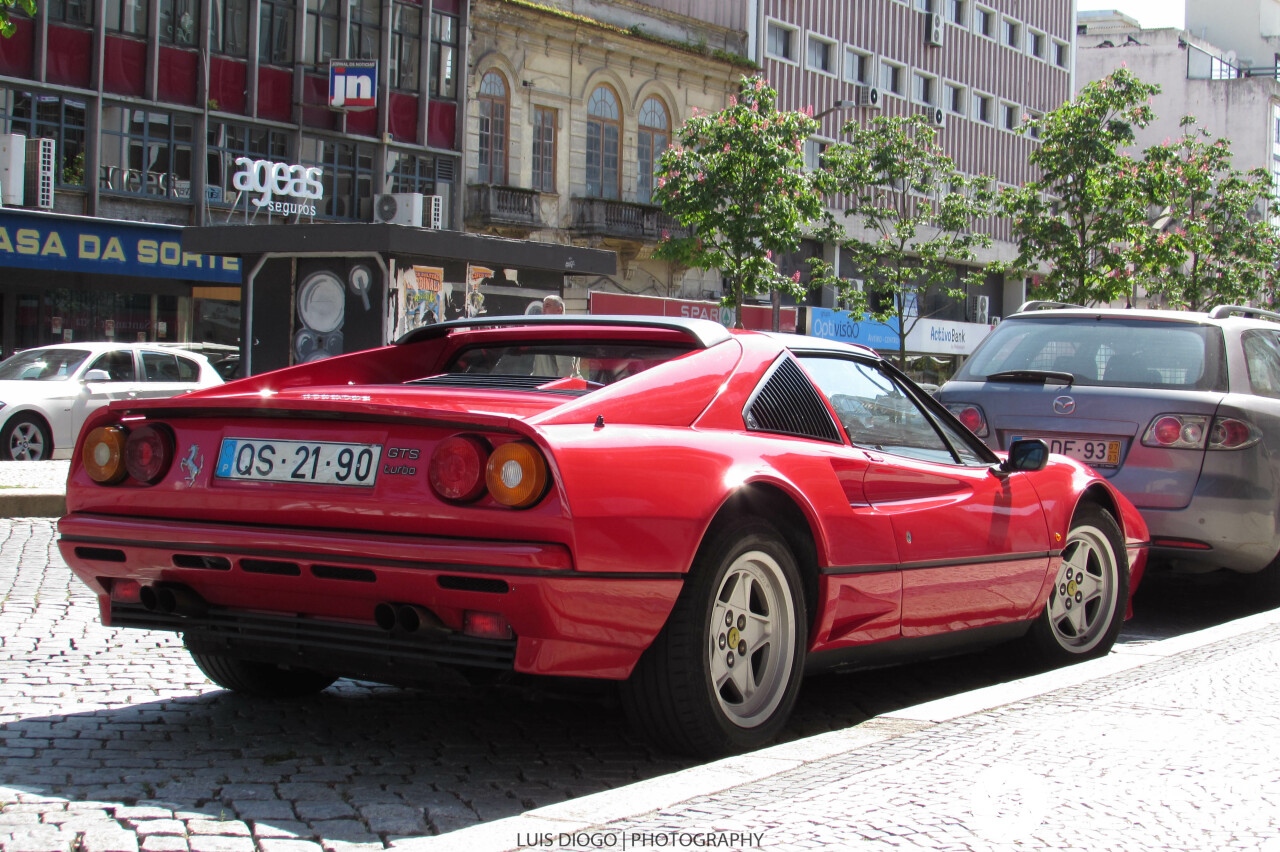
(275, 32)
(126, 16)
(858, 67)
(322, 32)
(954, 99)
(1011, 33)
(229, 22)
(891, 78)
(492, 102)
(1061, 54)
(925, 5)
(179, 20)
(984, 22)
(406, 44)
(228, 142)
(982, 108)
(1009, 116)
(780, 42)
(604, 130)
(422, 173)
(147, 152)
(957, 11)
(813, 151)
(1033, 129)
(71, 11)
(924, 89)
(821, 55)
(651, 141)
(544, 149)
(364, 29)
(444, 56)
(347, 180)
(49, 117)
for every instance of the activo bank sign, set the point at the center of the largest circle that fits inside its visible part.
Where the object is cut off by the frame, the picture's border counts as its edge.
(277, 183)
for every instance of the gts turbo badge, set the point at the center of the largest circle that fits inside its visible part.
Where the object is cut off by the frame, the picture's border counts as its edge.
(406, 453)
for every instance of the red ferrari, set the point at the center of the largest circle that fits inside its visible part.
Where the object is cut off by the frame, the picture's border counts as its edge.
(701, 514)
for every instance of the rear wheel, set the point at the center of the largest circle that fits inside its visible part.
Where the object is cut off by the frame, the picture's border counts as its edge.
(1086, 606)
(724, 673)
(27, 438)
(263, 680)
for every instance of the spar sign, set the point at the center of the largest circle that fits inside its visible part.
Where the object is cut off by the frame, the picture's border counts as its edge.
(353, 84)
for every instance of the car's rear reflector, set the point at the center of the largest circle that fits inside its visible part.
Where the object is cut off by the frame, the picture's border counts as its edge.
(485, 625)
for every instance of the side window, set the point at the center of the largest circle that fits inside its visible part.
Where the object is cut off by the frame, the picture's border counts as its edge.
(188, 370)
(160, 367)
(875, 412)
(119, 365)
(1262, 354)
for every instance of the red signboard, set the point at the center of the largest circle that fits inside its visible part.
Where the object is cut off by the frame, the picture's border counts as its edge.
(758, 317)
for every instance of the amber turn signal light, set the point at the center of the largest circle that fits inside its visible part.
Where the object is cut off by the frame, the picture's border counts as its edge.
(103, 455)
(516, 475)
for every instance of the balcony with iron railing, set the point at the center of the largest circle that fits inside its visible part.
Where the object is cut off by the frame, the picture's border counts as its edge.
(505, 207)
(1203, 65)
(623, 220)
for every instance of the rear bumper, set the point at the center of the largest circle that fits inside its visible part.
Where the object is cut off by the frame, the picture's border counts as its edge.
(308, 597)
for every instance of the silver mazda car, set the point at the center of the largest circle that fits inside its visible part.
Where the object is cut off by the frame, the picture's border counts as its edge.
(1180, 410)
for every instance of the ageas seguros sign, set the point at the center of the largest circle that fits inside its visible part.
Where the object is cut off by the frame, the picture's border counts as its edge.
(273, 181)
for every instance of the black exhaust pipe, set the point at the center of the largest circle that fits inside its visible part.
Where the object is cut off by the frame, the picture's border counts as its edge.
(407, 618)
(173, 599)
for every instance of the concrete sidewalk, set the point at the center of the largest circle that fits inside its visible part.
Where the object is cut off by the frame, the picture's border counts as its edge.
(33, 489)
(1169, 745)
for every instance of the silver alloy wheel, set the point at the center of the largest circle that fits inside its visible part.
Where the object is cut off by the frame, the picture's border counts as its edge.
(751, 637)
(1083, 600)
(26, 442)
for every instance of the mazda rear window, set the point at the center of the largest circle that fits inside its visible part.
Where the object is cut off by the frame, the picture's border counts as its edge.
(1104, 352)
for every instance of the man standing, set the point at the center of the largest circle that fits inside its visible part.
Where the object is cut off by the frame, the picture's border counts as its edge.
(552, 304)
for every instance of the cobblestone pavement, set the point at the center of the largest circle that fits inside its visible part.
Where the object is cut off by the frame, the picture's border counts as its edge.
(112, 741)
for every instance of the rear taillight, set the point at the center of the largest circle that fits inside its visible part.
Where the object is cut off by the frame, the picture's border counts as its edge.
(148, 453)
(516, 475)
(456, 471)
(103, 455)
(971, 416)
(1197, 431)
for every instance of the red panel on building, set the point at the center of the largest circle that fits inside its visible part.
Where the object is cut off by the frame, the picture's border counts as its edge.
(364, 122)
(70, 50)
(442, 123)
(755, 317)
(227, 84)
(178, 75)
(124, 71)
(315, 103)
(16, 57)
(449, 7)
(402, 117)
(275, 94)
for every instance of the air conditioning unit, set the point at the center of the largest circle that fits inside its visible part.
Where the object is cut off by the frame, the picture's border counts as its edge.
(933, 29)
(937, 117)
(13, 168)
(40, 173)
(867, 96)
(398, 208)
(979, 309)
(435, 205)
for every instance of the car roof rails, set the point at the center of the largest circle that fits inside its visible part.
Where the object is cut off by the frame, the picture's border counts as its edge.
(1244, 311)
(1037, 305)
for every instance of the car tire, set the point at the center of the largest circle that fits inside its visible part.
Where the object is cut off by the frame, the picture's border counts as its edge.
(724, 673)
(27, 438)
(262, 680)
(1090, 594)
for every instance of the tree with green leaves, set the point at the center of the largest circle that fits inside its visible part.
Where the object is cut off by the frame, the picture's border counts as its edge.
(6, 25)
(918, 215)
(736, 177)
(1211, 241)
(1087, 211)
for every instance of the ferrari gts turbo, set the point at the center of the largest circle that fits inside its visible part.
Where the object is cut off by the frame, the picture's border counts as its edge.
(702, 515)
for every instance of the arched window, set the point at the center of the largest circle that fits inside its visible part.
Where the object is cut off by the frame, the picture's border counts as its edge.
(604, 132)
(492, 100)
(653, 139)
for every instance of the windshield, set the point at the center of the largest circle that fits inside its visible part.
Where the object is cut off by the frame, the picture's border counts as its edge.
(1105, 352)
(44, 365)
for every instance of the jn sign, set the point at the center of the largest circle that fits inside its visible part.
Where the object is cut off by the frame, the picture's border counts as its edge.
(353, 83)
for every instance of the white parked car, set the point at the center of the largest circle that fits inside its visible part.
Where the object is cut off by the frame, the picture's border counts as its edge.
(47, 392)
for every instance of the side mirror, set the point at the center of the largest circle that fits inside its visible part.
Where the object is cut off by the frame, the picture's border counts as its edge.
(97, 376)
(1029, 454)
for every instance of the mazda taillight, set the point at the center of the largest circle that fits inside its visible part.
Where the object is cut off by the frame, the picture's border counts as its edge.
(1229, 433)
(971, 416)
(1198, 431)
